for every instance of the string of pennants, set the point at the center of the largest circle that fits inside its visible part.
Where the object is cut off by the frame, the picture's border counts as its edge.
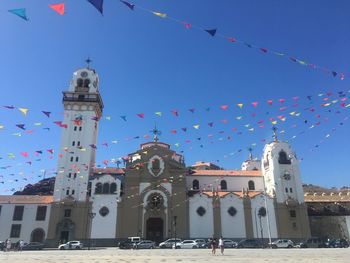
(59, 8)
(340, 102)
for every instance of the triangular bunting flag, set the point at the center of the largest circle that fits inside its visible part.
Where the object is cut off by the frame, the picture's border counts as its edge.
(23, 110)
(21, 12)
(47, 113)
(59, 8)
(211, 32)
(162, 15)
(98, 4)
(131, 6)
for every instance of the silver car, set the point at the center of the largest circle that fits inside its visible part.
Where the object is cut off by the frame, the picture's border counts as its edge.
(145, 244)
(169, 243)
(187, 244)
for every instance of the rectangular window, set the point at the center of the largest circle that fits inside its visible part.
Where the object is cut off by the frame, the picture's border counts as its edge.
(291, 190)
(67, 212)
(0, 210)
(73, 192)
(76, 159)
(15, 231)
(67, 192)
(69, 175)
(80, 128)
(294, 225)
(89, 189)
(71, 159)
(292, 213)
(75, 128)
(78, 144)
(286, 190)
(41, 213)
(18, 213)
(73, 143)
(75, 175)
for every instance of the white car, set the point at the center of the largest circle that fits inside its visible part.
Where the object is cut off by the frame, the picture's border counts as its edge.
(187, 244)
(169, 243)
(71, 245)
(282, 243)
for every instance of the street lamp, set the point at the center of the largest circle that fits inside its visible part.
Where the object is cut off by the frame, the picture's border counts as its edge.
(91, 216)
(174, 222)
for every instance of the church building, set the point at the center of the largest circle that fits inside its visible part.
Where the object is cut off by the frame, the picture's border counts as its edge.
(156, 196)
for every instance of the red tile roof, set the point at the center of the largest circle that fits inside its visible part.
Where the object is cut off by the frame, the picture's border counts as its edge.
(240, 194)
(108, 171)
(225, 173)
(25, 199)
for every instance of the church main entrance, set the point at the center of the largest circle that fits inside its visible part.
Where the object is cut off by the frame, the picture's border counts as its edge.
(154, 228)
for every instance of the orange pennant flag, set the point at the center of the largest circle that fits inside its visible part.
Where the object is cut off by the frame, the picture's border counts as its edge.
(59, 8)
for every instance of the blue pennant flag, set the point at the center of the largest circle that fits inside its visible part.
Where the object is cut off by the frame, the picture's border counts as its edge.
(21, 12)
(131, 6)
(211, 32)
(98, 4)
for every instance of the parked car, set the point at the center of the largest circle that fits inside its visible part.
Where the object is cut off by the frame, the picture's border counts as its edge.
(250, 243)
(337, 243)
(201, 243)
(146, 244)
(33, 246)
(71, 245)
(229, 243)
(169, 243)
(127, 244)
(282, 243)
(313, 242)
(135, 239)
(187, 244)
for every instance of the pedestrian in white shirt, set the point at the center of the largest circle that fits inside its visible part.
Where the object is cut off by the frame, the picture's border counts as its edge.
(221, 245)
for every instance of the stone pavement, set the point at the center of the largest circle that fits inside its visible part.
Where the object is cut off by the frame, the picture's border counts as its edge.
(111, 255)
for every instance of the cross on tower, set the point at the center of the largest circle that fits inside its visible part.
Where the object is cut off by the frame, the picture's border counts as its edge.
(88, 61)
(250, 153)
(274, 129)
(156, 132)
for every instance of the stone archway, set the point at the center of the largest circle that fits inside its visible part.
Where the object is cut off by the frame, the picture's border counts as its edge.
(65, 230)
(37, 235)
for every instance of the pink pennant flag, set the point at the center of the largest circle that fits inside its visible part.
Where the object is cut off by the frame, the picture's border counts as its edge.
(224, 107)
(50, 151)
(25, 154)
(173, 131)
(186, 25)
(255, 103)
(231, 39)
(269, 102)
(175, 113)
(295, 98)
(59, 8)
(282, 100)
(141, 115)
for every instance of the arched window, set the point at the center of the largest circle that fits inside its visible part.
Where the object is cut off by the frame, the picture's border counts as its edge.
(37, 235)
(79, 83)
(113, 188)
(283, 158)
(251, 185)
(105, 189)
(98, 188)
(223, 185)
(86, 83)
(195, 184)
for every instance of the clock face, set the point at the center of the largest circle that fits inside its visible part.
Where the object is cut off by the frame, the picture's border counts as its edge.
(84, 74)
(286, 177)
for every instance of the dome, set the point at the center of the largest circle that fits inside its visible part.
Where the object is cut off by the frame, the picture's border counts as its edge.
(84, 80)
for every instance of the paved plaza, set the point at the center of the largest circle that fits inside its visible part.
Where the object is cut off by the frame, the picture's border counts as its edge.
(191, 255)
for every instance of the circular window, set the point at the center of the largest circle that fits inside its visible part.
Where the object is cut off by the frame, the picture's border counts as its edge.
(232, 211)
(104, 211)
(201, 211)
(262, 211)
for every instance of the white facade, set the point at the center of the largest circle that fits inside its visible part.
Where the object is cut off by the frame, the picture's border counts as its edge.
(232, 226)
(105, 207)
(201, 226)
(28, 224)
(82, 110)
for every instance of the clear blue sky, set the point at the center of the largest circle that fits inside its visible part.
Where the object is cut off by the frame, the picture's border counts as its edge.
(148, 64)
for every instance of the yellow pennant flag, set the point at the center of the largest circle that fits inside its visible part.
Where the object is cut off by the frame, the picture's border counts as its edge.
(158, 113)
(240, 105)
(162, 15)
(196, 126)
(274, 122)
(24, 111)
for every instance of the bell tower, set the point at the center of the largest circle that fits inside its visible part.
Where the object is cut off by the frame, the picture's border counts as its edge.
(280, 169)
(82, 110)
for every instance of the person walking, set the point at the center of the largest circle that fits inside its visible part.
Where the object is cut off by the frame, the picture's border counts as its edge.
(21, 245)
(221, 245)
(8, 245)
(213, 246)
